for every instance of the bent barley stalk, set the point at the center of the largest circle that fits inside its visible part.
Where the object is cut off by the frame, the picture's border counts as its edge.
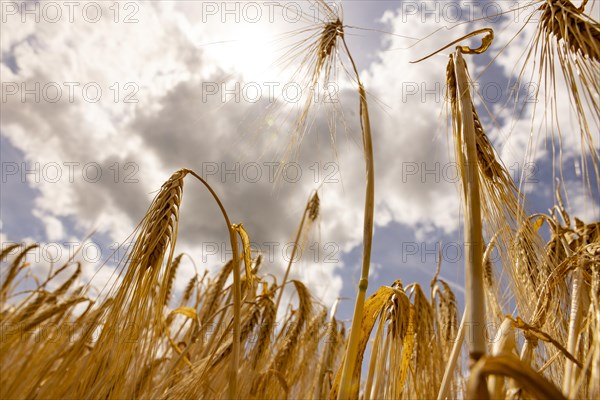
(237, 296)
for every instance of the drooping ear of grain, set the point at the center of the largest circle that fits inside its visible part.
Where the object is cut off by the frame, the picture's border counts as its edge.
(318, 55)
(15, 265)
(426, 360)
(448, 336)
(7, 250)
(265, 334)
(494, 299)
(124, 341)
(566, 34)
(246, 254)
(571, 27)
(189, 289)
(407, 360)
(289, 344)
(332, 347)
(62, 289)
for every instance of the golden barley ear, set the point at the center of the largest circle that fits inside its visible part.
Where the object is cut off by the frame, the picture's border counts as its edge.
(318, 56)
(265, 334)
(143, 292)
(565, 33)
(171, 277)
(426, 361)
(6, 251)
(289, 343)
(246, 254)
(445, 315)
(189, 289)
(571, 26)
(15, 266)
(62, 289)
(333, 346)
(159, 228)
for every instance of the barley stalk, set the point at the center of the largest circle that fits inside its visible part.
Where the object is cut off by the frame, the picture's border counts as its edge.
(466, 149)
(352, 349)
(312, 212)
(504, 343)
(467, 140)
(574, 321)
(237, 297)
(325, 48)
(451, 364)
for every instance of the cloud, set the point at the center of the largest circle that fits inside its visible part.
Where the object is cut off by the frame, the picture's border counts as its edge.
(158, 111)
(100, 162)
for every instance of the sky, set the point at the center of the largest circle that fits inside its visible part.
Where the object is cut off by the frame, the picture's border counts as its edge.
(102, 101)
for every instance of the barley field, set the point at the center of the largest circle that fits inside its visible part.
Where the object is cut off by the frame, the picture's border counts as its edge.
(158, 323)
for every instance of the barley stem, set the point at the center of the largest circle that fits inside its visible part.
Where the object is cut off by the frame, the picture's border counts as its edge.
(237, 297)
(294, 250)
(475, 296)
(574, 322)
(451, 365)
(355, 330)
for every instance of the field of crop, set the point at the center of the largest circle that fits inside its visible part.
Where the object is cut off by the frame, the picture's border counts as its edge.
(234, 335)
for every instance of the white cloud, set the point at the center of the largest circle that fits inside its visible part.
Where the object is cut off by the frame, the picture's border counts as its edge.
(167, 61)
(112, 156)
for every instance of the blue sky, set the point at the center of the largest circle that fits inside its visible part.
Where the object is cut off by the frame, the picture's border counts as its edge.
(148, 88)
